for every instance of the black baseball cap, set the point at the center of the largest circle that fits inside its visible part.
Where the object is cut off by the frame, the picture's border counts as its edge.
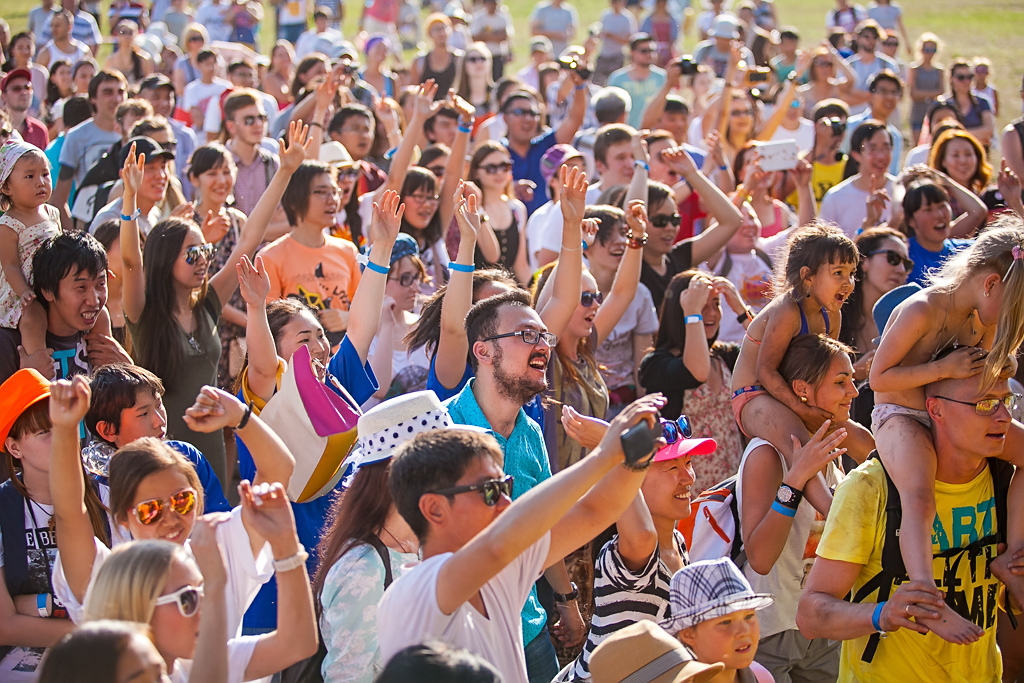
(145, 145)
(155, 81)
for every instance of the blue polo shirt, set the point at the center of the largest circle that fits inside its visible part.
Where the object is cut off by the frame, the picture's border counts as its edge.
(926, 261)
(528, 167)
(526, 459)
(312, 517)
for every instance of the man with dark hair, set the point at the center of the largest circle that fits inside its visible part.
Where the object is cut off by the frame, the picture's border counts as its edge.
(69, 273)
(846, 204)
(784, 63)
(510, 349)
(84, 144)
(885, 89)
(865, 63)
(16, 95)
(158, 90)
(641, 79)
(613, 159)
(241, 74)
(353, 126)
(442, 126)
(482, 553)
(436, 662)
(611, 105)
(199, 92)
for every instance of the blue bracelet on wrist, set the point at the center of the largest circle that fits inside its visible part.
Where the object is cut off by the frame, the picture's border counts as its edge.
(461, 267)
(465, 129)
(135, 215)
(876, 617)
(377, 268)
(782, 509)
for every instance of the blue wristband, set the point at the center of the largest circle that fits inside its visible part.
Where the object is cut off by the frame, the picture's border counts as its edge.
(135, 215)
(461, 267)
(646, 166)
(782, 509)
(580, 87)
(697, 318)
(723, 168)
(377, 268)
(876, 617)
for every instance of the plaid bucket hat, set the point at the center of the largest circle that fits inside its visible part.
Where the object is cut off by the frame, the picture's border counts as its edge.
(710, 589)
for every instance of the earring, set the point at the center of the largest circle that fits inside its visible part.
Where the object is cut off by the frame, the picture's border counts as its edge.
(987, 293)
(804, 399)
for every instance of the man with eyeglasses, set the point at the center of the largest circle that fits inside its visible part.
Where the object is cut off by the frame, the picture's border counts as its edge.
(16, 97)
(865, 63)
(510, 349)
(969, 424)
(482, 554)
(847, 203)
(885, 89)
(641, 79)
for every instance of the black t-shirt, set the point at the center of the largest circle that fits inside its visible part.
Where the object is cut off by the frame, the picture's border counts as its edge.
(663, 371)
(679, 259)
(69, 354)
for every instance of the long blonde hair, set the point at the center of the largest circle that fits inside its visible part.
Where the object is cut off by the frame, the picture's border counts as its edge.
(130, 581)
(999, 250)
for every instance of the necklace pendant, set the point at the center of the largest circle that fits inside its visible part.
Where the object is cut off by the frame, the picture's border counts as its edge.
(194, 344)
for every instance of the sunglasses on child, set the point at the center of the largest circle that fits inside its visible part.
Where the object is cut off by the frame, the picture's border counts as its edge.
(676, 430)
(186, 598)
(492, 489)
(149, 511)
(894, 258)
(193, 253)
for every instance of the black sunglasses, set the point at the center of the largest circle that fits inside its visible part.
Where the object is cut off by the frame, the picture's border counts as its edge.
(663, 220)
(894, 258)
(587, 299)
(249, 120)
(193, 253)
(676, 430)
(493, 169)
(492, 489)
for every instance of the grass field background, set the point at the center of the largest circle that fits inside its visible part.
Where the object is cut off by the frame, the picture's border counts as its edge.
(994, 28)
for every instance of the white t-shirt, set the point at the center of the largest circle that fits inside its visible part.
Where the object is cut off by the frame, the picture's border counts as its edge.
(246, 574)
(199, 94)
(804, 134)
(306, 44)
(214, 115)
(239, 654)
(918, 155)
(753, 278)
(846, 206)
(544, 222)
(408, 613)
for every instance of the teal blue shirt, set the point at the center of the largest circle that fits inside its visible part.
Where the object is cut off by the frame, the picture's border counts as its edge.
(526, 459)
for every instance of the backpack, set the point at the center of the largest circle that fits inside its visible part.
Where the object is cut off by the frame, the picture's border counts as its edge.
(713, 528)
(309, 670)
(894, 571)
(94, 190)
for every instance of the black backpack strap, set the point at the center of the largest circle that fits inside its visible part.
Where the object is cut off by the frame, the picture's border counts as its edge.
(385, 557)
(12, 526)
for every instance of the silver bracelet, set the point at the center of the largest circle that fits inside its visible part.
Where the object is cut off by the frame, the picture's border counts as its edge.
(294, 562)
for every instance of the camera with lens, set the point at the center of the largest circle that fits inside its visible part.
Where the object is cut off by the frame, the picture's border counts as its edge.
(759, 74)
(687, 65)
(574, 62)
(837, 125)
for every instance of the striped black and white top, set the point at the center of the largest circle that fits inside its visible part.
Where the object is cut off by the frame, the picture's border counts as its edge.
(623, 597)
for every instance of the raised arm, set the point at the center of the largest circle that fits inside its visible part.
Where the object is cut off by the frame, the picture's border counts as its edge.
(574, 119)
(718, 206)
(456, 165)
(210, 658)
(562, 297)
(133, 294)
(696, 355)
(322, 99)
(402, 159)
(254, 283)
(554, 505)
(975, 213)
(627, 276)
(225, 280)
(782, 105)
(365, 311)
(69, 402)
(453, 345)
(655, 109)
(781, 328)
(638, 537)
(802, 175)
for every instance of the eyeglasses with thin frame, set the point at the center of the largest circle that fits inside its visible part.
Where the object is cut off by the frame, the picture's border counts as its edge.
(495, 169)
(423, 198)
(327, 192)
(492, 489)
(894, 258)
(520, 113)
(665, 219)
(193, 253)
(348, 172)
(182, 502)
(587, 299)
(676, 430)
(407, 279)
(254, 118)
(987, 406)
(187, 598)
(872, 149)
(531, 337)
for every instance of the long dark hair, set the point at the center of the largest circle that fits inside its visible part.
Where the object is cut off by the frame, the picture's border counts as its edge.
(358, 514)
(417, 178)
(427, 332)
(9, 65)
(305, 65)
(583, 347)
(279, 313)
(671, 334)
(853, 315)
(161, 353)
(52, 91)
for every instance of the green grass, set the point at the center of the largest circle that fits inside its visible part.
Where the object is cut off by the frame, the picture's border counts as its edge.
(968, 28)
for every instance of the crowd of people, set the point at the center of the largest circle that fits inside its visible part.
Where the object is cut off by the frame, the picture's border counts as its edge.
(685, 352)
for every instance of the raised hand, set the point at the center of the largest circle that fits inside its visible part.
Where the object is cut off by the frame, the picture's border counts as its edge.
(812, 457)
(253, 280)
(207, 552)
(133, 171)
(640, 152)
(724, 287)
(1009, 187)
(69, 401)
(184, 211)
(425, 104)
(877, 201)
(589, 228)
(387, 218)
(642, 409)
(636, 218)
(387, 114)
(693, 299)
(466, 110)
(265, 509)
(294, 153)
(467, 213)
(802, 171)
(574, 193)
(716, 152)
(325, 93)
(216, 225)
(680, 161)
(214, 410)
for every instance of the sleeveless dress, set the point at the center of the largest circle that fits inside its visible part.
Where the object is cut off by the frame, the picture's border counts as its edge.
(925, 80)
(508, 247)
(444, 79)
(30, 238)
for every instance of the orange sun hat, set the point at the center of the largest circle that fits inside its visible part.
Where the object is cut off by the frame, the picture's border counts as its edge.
(20, 392)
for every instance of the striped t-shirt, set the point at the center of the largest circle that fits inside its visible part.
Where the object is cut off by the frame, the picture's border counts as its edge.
(623, 597)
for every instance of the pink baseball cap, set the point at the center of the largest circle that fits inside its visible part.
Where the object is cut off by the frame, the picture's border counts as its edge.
(686, 447)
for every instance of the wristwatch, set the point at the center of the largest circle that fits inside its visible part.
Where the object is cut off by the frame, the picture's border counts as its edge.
(788, 496)
(564, 598)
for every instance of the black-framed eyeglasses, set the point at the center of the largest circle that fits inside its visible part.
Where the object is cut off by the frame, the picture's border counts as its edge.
(531, 337)
(987, 406)
(492, 489)
(676, 430)
(894, 258)
(587, 299)
(494, 169)
(407, 279)
(250, 120)
(665, 219)
(436, 170)
(193, 253)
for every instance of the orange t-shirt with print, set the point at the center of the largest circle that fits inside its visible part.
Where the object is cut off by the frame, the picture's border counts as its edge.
(325, 277)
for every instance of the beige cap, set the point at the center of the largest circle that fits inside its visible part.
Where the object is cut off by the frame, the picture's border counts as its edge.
(645, 653)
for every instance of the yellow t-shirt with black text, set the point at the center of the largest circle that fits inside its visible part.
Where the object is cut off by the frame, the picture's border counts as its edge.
(855, 532)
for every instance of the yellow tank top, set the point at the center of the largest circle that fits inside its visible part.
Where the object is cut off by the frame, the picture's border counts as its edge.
(823, 178)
